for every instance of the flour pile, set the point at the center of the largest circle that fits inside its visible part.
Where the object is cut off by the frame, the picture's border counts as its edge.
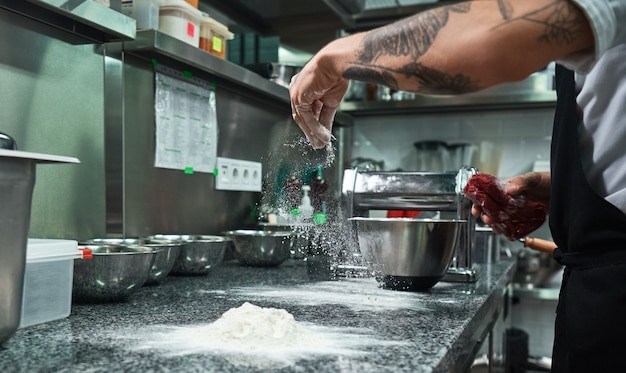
(251, 327)
(253, 336)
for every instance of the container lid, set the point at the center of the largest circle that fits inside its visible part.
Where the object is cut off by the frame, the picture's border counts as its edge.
(39, 250)
(40, 158)
(217, 27)
(182, 6)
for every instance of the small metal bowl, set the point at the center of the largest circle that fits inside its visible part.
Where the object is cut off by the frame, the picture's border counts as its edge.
(261, 248)
(301, 245)
(114, 272)
(167, 252)
(198, 254)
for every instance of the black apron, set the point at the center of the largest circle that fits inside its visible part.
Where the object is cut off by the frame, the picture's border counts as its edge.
(590, 334)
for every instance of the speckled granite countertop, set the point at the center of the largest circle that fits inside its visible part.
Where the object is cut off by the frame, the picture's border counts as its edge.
(368, 329)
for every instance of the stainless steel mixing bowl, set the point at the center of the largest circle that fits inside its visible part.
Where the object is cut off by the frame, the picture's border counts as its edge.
(199, 254)
(302, 236)
(408, 254)
(260, 247)
(167, 253)
(114, 272)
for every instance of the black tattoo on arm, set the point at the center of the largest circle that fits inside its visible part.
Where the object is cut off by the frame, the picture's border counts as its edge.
(561, 20)
(505, 9)
(372, 74)
(412, 38)
(433, 81)
(429, 81)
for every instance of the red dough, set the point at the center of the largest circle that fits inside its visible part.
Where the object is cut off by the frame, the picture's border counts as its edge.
(515, 216)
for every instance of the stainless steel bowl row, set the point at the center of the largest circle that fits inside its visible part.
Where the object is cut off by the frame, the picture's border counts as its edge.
(120, 266)
(405, 254)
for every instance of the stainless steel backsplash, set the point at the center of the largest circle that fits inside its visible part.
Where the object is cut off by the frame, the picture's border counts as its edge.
(74, 99)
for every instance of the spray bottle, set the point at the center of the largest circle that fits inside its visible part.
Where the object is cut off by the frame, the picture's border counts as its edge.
(306, 209)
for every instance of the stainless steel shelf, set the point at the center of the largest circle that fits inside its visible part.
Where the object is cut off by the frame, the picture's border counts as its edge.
(470, 102)
(86, 20)
(532, 92)
(162, 48)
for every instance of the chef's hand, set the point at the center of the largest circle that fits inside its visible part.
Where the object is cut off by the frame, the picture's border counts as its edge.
(534, 185)
(316, 92)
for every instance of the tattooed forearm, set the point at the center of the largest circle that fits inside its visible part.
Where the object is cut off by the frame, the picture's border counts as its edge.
(406, 42)
(561, 20)
(411, 37)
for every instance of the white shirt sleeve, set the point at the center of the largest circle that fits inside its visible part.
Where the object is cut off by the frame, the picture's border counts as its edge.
(608, 22)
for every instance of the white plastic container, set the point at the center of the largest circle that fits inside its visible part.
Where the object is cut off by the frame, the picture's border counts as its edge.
(146, 13)
(180, 20)
(48, 280)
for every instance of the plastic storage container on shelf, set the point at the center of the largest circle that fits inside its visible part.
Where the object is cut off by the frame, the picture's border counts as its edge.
(145, 12)
(180, 20)
(48, 280)
(213, 36)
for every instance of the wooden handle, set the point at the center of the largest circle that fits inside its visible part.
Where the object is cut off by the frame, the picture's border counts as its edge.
(539, 244)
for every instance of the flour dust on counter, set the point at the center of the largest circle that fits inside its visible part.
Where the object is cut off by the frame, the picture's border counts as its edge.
(358, 294)
(257, 337)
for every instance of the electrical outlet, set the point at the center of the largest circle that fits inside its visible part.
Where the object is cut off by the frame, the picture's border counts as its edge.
(238, 175)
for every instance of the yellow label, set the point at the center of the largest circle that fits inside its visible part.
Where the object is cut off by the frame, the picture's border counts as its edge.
(217, 44)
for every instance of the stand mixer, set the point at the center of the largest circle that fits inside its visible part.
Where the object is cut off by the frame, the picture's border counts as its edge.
(425, 191)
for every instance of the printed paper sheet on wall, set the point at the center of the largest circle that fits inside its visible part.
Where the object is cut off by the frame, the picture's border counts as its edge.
(186, 125)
